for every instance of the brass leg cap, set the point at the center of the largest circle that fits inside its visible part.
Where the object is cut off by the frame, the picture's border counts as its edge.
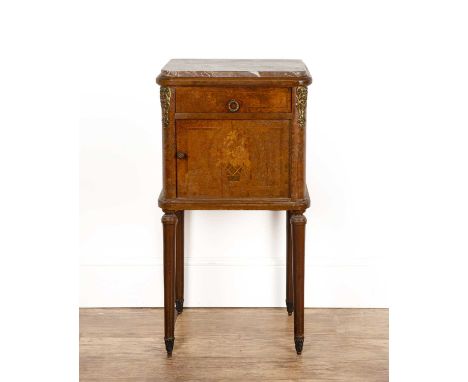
(169, 345)
(299, 342)
(179, 306)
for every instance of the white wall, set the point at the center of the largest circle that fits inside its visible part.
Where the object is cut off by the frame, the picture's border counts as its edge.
(236, 258)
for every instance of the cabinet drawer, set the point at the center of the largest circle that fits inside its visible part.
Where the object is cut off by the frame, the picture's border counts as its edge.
(233, 100)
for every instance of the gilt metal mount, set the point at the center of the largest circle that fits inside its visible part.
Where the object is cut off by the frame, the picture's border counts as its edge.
(165, 95)
(301, 104)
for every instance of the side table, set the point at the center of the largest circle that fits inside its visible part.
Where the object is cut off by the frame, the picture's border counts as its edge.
(233, 136)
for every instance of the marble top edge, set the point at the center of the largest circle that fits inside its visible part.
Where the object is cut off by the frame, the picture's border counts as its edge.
(235, 68)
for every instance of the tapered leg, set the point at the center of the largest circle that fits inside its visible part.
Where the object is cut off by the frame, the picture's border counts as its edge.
(289, 269)
(179, 282)
(298, 222)
(169, 221)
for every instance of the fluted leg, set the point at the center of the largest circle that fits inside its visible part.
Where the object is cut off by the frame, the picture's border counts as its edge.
(298, 222)
(289, 267)
(179, 281)
(169, 221)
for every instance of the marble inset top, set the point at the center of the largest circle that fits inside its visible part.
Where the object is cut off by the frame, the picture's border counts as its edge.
(234, 68)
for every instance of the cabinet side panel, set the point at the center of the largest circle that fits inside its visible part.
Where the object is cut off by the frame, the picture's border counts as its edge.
(298, 141)
(168, 141)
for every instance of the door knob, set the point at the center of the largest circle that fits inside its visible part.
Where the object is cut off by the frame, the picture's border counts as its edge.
(181, 155)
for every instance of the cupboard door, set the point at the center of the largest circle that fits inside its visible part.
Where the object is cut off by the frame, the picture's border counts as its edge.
(232, 158)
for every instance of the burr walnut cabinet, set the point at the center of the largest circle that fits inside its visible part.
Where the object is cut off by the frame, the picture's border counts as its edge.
(233, 139)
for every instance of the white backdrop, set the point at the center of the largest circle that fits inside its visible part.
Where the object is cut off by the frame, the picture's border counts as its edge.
(387, 167)
(235, 258)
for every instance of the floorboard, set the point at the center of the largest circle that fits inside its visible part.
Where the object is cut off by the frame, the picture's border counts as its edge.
(235, 344)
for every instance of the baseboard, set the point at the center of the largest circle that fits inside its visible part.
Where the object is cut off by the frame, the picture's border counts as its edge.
(257, 284)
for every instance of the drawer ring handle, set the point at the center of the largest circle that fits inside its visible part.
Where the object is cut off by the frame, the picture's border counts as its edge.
(233, 106)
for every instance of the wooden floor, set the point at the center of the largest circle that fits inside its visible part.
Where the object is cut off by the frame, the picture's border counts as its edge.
(234, 345)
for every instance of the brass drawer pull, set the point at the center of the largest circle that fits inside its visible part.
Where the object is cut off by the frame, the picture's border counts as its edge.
(181, 155)
(233, 106)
